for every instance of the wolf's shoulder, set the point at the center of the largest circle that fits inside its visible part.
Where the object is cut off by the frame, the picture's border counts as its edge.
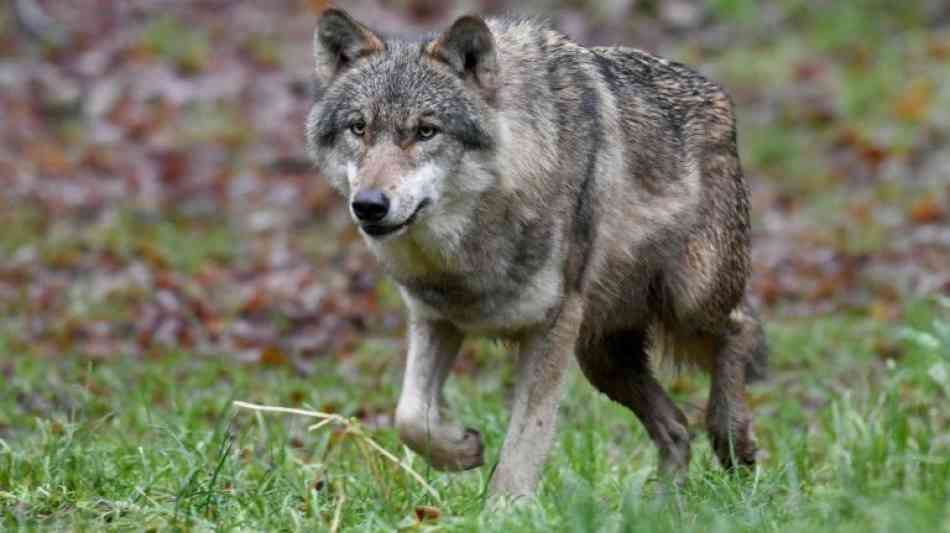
(520, 24)
(635, 67)
(518, 35)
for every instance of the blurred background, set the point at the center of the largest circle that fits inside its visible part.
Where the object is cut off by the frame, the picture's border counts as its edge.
(155, 195)
(166, 247)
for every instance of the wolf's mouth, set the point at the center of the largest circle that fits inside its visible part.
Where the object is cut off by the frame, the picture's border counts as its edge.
(380, 230)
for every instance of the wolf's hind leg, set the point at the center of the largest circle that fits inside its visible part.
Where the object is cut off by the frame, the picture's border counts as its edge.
(433, 348)
(619, 367)
(728, 418)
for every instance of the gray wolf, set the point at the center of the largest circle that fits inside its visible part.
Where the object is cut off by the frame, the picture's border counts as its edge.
(575, 201)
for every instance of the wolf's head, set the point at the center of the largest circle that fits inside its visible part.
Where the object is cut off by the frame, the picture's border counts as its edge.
(404, 129)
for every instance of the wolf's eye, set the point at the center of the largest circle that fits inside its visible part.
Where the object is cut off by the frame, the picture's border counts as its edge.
(358, 128)
(424, 133)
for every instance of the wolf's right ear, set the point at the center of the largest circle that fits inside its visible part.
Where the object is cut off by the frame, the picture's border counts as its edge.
(469, 48)
(339, 41)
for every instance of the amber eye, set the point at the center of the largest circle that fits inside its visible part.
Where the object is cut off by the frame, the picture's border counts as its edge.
(424, 133)
(358, 128)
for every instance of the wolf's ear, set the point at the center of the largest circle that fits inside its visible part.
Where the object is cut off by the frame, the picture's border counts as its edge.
(469, 48)
(339, 41)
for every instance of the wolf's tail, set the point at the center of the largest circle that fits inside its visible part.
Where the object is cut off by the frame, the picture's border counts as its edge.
(756, 367)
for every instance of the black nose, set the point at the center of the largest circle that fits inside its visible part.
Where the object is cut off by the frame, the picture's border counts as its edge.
(371, 205)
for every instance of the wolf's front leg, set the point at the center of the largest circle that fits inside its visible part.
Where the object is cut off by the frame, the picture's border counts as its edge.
(433, 347)
(542, 363)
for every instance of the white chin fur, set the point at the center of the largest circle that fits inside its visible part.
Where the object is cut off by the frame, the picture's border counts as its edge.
(383, 238)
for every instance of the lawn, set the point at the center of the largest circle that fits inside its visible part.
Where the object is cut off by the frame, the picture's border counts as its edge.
(854, 440)
(165, 252)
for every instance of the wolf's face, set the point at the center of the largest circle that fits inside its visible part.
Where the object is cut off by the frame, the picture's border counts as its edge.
(404, 130)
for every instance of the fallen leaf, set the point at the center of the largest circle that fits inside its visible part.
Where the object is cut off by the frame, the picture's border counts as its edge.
(914, 102)
(939, 47)
(272, 356)
(49, 159)
(927, 210)
(317, 6)
(426, 513)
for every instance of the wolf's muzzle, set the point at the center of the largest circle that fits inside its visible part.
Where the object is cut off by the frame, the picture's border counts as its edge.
(379, 230)
(370, 206)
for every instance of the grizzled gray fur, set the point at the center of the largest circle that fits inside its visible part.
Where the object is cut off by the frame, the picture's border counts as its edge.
(582, 202)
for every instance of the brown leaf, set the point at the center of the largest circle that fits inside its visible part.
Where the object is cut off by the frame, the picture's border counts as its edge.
(257, 301)
(426, 513)
(49, 159)
(886, 349)
(317, 6)
(99, 159)
(873, 154)
(172, 165)
(769, 288)
(426, 10)
(827, 287)
(296, 397)
(151, 255)
(939, 48)
(272, 356)
(913, 103)
(808, 70)
(320, 197)
(861, 210)
(927, 210)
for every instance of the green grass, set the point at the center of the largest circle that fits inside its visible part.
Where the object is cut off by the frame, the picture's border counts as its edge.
(852, 443)
(854, 423)
(174, 41)
(171, 239)
(837, 74)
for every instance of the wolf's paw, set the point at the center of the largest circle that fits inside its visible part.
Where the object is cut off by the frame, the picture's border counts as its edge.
(672, 475)
(502, 504)
(463, 454)
(735, 453)
(674, 453)
(473, 454)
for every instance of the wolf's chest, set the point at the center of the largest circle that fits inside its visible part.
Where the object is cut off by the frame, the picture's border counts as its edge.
(485, 305)
(489, 277)
(450, 293)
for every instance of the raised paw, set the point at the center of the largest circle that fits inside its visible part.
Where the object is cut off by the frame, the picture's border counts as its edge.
(463, 455)
(446, 447)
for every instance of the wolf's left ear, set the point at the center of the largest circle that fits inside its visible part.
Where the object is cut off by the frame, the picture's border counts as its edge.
(469, 48)
(339, 41)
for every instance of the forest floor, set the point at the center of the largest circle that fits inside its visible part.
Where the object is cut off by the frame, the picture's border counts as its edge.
(166, 249)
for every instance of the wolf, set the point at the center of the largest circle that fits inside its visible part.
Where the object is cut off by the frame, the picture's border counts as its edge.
(571, 200)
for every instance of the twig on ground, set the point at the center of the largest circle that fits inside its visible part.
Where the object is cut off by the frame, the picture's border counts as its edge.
(351, 427)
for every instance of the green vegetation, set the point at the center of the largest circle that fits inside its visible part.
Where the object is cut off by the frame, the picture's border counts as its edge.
(128, 331)
(852, 444)
(172, 40)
